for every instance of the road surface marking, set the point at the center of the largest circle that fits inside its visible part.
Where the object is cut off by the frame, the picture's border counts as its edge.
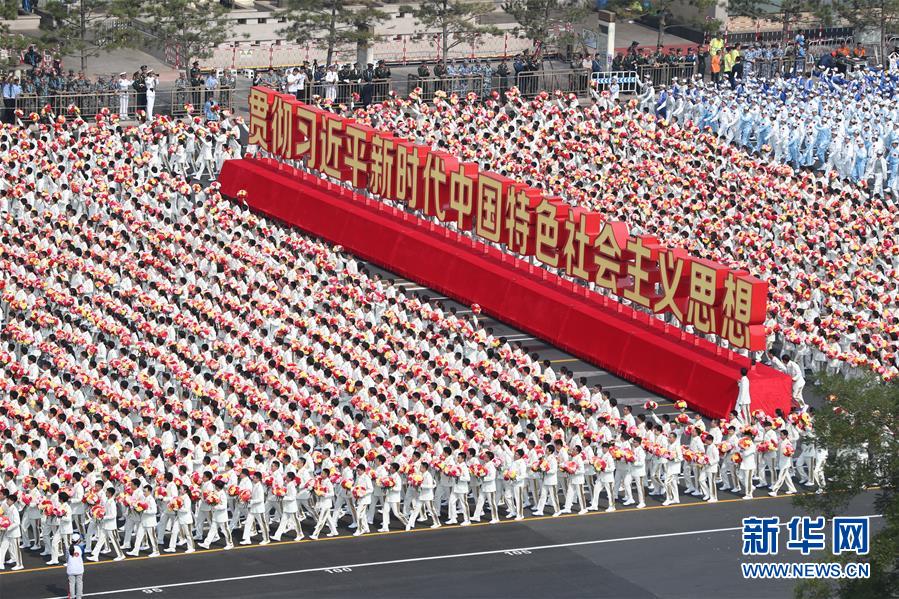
(349, 567)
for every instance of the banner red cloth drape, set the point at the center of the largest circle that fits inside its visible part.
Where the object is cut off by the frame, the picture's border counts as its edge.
(591, 326)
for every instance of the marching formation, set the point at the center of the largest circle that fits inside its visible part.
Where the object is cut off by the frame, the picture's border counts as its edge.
(177, 372)
(827, 247)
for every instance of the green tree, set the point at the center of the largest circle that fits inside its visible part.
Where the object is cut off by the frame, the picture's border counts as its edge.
(327, 24)
(859, 425)
(193, 27)
(89, 26)
(661, 11)
(457, 19)
(549, 22)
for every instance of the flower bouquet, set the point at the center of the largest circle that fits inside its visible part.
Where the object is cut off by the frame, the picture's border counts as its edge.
(416, 479)
(98, 511)
(510, 475)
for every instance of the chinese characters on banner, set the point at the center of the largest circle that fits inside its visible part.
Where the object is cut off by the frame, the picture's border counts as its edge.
(713, 298)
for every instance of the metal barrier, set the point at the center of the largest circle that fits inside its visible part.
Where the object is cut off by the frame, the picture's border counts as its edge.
(666, 73)
(89, 104)
(627, 81)
(457, 84)
(197, 97)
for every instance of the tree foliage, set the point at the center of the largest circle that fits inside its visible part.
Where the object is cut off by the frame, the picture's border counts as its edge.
(859, 426)
(193, 27)
(548, 22)
(88, 27)
(456, 20)
(328, 24)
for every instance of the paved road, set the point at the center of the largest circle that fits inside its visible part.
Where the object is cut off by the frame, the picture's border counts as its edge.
(686, 551)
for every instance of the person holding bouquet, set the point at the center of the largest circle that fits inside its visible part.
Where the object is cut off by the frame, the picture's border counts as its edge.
(548, 466)
(181, 507)
(11, 533)
(460, 476)
(147, 510)
(518, 479)
(424, 485)
(674, 456)
(108, 528)
(323, 490)
(747, 453)
(636, 473)
(290, 513)
(256, 516)
(362, 492)
(393, 494)
(217, 500)
(488, 490)
(62, 529)
(604, 464)
(575, 490)
(784, 465)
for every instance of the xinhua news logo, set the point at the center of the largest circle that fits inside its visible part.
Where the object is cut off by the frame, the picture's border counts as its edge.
(848, 535)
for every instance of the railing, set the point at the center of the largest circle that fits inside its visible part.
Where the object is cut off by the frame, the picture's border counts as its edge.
(665, 74)
(627, 81)
(180, 97)
(89, 104)
(344, 92)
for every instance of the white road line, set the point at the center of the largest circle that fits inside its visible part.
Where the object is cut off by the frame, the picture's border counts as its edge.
(604, 387)
(423, 559)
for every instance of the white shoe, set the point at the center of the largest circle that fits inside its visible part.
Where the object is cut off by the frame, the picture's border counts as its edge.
(641, 505)
(313, 537)
(565, 511)
(19, 567)
(190, 550)
(169, 550)
(203, 545)
(611, 508)
(519, 517)
(154, 554)
(772, 493)
(713, 500)
(667, 502)
(557, 514)
(54, 562)
(408, 527)
(382, 529)
(790, 493)
(265, 542)
(358, 533)
(494, 521)
(228, 546)
(466, 523)
(119, 558)
(331, 534)
(245, 542)
(747, 496)
(583, 511)
(536, 513)
(436, 525)
(93, 558)
(628, 502)
(451, 522)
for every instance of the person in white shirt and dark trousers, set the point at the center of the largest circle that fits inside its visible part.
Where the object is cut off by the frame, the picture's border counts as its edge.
(75, 569)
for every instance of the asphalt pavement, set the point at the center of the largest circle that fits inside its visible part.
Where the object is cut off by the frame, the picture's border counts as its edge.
(692, 550)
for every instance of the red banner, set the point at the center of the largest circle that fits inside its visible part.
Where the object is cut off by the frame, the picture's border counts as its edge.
(631, 344)
(714, 299)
